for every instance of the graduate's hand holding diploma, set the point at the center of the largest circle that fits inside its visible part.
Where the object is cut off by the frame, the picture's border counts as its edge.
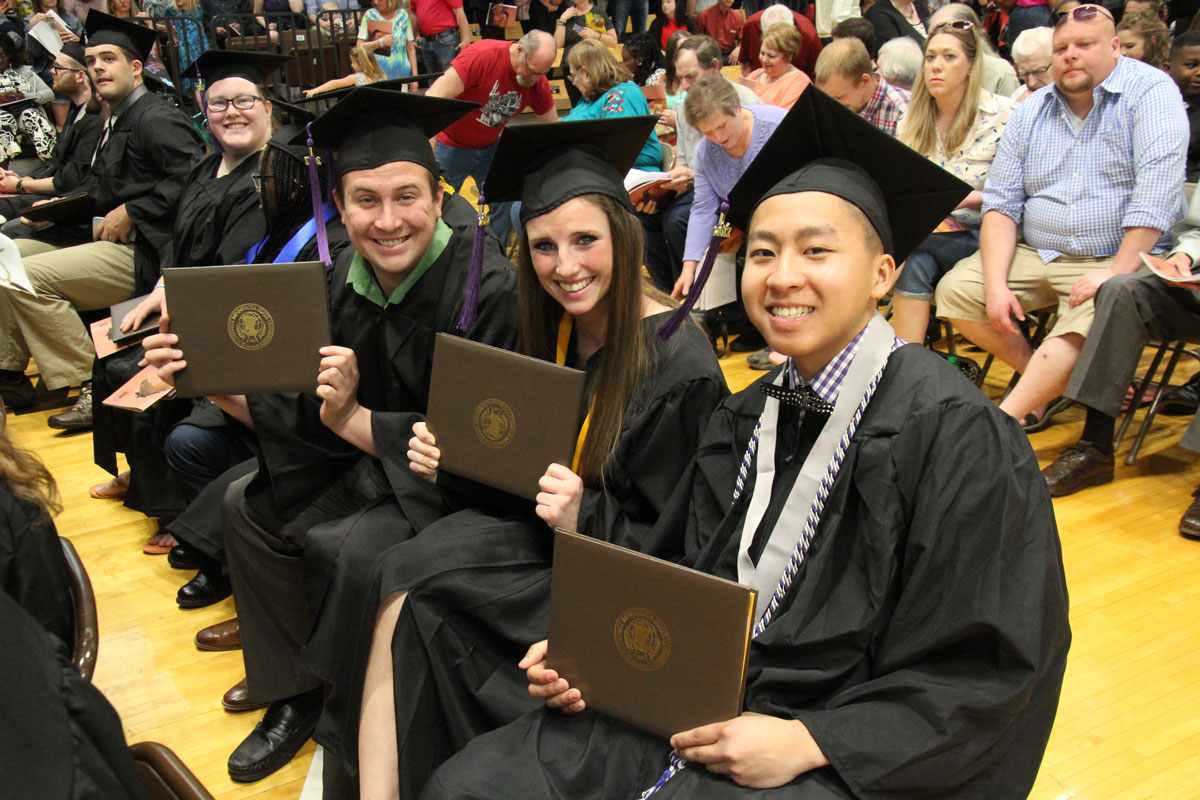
(163, 352)
(754, 750)
(560, 496)
(423, 454)
(545, 683)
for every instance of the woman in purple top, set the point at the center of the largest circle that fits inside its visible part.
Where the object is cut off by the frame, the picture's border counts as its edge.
(733, 135)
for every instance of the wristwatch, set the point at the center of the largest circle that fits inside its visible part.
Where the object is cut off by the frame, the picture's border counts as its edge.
(20, 186)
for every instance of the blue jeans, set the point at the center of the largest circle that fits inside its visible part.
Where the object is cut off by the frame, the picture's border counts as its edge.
(1022, 18)
(936, 256)
(622, 10)
(439, 50)
(458, 163)
(198, 455)
(666, 232)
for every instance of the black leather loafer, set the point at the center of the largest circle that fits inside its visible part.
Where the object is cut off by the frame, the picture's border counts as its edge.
(276, 739)
(183, 557)
(203, 590)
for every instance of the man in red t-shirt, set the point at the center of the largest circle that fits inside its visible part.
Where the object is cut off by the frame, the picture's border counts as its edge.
(504, 78)
(444, 29)
(805, 60)
(724, 24)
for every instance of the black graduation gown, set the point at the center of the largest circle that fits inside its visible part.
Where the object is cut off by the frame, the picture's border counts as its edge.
(480, 582)
(923, 642)
(308, 475)
(145, 165)
(218, 220)
(33, 570)
(62, 739)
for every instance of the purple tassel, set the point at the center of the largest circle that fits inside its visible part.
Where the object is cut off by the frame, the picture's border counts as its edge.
(315, 190)
(475, 276)
(720, 233)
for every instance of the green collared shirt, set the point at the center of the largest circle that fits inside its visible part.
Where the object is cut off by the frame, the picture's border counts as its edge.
(362, 278)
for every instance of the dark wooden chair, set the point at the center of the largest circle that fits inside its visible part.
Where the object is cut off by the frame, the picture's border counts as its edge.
(87, 630)
(165, 775)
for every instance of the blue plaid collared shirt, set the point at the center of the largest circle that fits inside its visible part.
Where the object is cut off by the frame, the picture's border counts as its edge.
(827, 383)
(1075, 192)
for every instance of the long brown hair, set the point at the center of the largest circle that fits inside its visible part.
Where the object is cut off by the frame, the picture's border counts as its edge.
(920, 121)
(26, 477)
(627, 357)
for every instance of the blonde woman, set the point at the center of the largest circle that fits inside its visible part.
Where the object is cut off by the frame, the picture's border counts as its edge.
(1144, 37)
(609, 91)
(365, 70)
(956, 123)
(778, 82)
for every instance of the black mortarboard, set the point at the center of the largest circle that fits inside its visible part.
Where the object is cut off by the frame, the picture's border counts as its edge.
(215, 65)
(371, 127)
(545, 165)
(902, 193)
(822, 146)
(137, 40)
(292, 119)
(74, 50)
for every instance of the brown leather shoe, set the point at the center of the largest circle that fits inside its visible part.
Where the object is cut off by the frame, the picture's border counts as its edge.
(1078, 466)
(225, 635)
(1189, 526)
(237, 699)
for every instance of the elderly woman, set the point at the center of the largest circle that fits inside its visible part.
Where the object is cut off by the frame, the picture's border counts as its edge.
(900, 62)
(1033, 54)
(733, 135)
(778, 82)
(608, 90)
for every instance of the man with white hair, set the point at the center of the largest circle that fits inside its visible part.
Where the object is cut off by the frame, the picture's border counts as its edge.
(1033, 54)
(900, 62)
(758, 23)
(998, 75)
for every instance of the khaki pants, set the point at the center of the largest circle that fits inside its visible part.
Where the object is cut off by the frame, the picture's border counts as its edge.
(47, 327)
(1036, 284)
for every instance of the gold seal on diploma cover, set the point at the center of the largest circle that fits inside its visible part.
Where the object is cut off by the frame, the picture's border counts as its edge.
(251, 327)
(642, 639)
(495, 423)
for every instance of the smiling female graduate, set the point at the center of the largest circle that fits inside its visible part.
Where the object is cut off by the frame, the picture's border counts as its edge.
(482, 574)
(913, 631)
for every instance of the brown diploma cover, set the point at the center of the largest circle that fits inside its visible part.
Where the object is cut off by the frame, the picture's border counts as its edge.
(654, 644)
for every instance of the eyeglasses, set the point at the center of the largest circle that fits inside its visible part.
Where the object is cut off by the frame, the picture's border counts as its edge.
(1084, 13)
(958, 25)
(57, 68)
(243, 102)
(529, 67)
(1023, 74)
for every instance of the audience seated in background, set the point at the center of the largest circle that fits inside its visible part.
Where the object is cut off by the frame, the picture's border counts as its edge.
(667, 228)
(579, 21)
(1033, 56)
(1078, 189)
(778, 82)
(1156, 7)
(757, 23)
(399, 43)
(1144, 37)
(18, 81)
(364, 70)
(999, 77)
(135, 180)
(724, 24)
(673, 18)
(956, 123)
(1185, 69)
(643, 57)
(1131, 310)
(900, 62)
(861, 29)
(844, 73)
(609, 91)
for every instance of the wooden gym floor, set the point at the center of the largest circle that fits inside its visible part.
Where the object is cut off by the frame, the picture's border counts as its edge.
(1128, 724)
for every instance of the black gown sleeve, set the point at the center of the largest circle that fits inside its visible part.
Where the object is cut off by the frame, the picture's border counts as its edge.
(73, 169)
(33, 570)
(653, 456)
(170, 145)
(965, 675)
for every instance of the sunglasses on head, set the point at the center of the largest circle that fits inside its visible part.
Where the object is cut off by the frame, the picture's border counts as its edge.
(1085, 13)
(958, 25)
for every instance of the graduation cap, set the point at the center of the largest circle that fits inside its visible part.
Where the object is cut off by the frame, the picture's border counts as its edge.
(371, 127)
(822, 146)
(74, 50)
(293, 119)
(545, 165)
(215, 65)
(137, 40)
